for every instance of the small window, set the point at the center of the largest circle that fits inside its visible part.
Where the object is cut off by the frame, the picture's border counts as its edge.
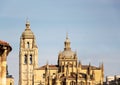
(28, 45)
(25, 59)
(43, 75)
(10, 83)
(30, 59)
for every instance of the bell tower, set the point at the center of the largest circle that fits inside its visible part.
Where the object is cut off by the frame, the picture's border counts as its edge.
(28, 56)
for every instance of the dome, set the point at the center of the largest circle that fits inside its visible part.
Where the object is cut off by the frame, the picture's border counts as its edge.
(67, 54)
(27, 33)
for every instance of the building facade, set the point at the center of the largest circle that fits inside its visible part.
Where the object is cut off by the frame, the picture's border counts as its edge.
(68, 71)
(112, 80)
(5, 78)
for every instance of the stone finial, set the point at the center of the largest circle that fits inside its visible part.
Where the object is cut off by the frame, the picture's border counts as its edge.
(27, 23)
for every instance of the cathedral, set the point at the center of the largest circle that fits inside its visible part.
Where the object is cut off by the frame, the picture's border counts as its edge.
(68, 71)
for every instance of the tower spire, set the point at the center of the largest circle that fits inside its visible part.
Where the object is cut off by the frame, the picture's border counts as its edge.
(67, 43)
(27, 23)
(67, 35)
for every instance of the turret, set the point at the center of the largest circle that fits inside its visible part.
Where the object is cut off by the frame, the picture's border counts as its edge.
(89, 69)
(102, 72)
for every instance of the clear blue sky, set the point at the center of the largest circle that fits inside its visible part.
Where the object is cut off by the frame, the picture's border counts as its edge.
(93, 27)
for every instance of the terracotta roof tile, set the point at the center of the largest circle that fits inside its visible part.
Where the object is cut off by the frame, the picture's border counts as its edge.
(55, 67)
(92, 67)
(4, 43)
(51, 67)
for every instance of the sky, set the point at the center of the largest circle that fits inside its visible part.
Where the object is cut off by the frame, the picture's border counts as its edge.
(93, 28)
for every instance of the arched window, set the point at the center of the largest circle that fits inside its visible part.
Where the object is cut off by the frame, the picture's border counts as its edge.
(89, 83)
(81, 83)
(30, 59)
(63, 83)
(28, 45)
(72, 83)
(10, 83)
(25, 59)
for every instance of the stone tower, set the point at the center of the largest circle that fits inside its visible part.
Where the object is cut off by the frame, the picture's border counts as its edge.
(28, 56)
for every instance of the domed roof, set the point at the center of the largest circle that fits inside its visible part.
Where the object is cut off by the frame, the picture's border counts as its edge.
(27, 33)
(67, 53)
